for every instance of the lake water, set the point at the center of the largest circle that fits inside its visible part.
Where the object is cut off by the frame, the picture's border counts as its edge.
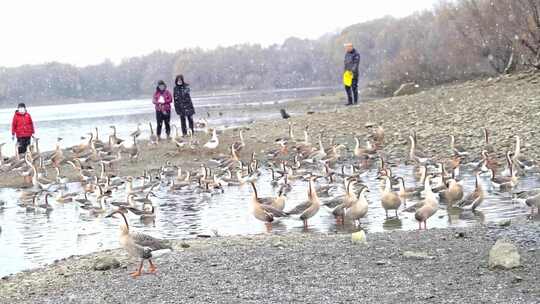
(32, 239)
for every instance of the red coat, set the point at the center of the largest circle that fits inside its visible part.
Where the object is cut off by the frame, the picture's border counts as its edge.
(162, 107)
(22, 125)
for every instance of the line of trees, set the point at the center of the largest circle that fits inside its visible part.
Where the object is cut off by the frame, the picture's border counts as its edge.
(456, 40)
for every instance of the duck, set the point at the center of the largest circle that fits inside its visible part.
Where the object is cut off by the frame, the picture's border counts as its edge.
(309, 208)
(264, 212)
(429, 207)
(139, 245)
(475, 198)
(359, 207)
(389, 199)
(213, 143)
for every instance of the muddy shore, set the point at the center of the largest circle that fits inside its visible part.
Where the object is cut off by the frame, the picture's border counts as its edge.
(507, 106)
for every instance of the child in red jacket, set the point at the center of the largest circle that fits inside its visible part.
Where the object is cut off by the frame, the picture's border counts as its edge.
(22, 127)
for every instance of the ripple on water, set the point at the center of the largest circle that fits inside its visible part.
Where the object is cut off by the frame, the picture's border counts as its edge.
(31, 239)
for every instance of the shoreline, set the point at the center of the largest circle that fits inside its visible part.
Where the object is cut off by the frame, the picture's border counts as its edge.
(301, 267)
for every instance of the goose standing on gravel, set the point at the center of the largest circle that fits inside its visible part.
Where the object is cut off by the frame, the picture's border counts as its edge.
(488, 147)
(430, 206)
(239, 145)
(139, 245)
(213, 142)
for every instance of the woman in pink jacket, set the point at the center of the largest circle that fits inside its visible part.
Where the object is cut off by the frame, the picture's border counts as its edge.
(162, 102)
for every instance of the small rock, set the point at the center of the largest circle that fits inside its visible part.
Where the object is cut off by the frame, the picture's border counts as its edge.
(359, 237)
(105, 263)
(380, 262)
(505, 223)
(417, 255)
(504, 255)
(517, 279)
(278, 244)
(460, 234)
(185, 245)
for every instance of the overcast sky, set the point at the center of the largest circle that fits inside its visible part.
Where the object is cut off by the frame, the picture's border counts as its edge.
(87, 32)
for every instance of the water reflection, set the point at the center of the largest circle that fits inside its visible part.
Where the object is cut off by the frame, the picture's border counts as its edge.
(30, 239)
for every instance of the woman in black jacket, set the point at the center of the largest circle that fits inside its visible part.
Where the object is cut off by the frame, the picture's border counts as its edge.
(182, 103)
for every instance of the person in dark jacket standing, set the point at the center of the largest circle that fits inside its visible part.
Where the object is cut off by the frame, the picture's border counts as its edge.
(162, 102)
(352, 60)
(22, 127)
(183, 104)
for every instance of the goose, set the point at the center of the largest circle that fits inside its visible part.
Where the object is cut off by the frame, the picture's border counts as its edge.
(475, 198)
(524, 162)
(153, 139)
(457, 149)
(46, 206)
(238, 146)
(389, 199)
(98, 208)
(277, 202)
(453, 194)
(429, 207)
(504, 182)
(263, 212)
(416, 155)
(407, 193)
(359, 207)
(133, 151)
(488, 147)
(344, 202)
(63, 198)
(139, 245)
(213, 143)
(364, 153)
(533, 202)
(137, 132)
(318, 155)
(309, 208)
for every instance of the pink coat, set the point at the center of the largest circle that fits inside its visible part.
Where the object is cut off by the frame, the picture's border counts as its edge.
(162, 107)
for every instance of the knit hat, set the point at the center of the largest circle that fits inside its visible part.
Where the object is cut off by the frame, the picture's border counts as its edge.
(21, 105)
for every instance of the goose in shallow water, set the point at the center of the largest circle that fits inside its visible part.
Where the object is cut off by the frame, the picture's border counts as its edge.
(429, 207)
(475, 198)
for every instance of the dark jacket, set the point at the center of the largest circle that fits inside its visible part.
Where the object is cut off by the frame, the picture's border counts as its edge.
(352, 60)
(22, 125)
(182, 100)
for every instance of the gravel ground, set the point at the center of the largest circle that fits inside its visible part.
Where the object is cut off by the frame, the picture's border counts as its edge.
(302, 268)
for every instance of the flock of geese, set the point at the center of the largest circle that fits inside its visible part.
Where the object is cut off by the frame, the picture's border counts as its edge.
(324, 169)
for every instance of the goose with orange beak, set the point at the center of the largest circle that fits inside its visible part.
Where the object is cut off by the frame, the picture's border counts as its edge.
(139, 245)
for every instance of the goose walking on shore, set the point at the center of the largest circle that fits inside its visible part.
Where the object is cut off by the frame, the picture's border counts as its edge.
(139, 245)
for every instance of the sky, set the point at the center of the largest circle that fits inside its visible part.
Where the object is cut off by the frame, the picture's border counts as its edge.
(88, 32)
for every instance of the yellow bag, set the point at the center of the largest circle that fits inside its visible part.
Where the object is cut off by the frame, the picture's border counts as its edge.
(348, 78)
